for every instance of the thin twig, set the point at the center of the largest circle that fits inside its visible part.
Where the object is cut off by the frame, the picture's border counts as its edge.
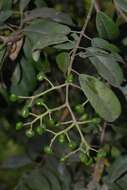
(80, 37)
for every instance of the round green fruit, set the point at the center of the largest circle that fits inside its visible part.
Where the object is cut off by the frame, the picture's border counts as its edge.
(41, 129)
(79, 109)
(25, 112)
(72, 145)
(39, 102)
(30, 133)
(84, 117)
(48, 150)
(51, 123)
(96, 120)
(13, 98)
(19, 125)
(61, 138)
(40, 76)
(63, 159)
(83, 158)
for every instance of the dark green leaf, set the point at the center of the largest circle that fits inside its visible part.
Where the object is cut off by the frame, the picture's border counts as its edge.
(14, 162)
(106, 27)
(48, 40)
(40, 3)
(103, 44)
(4, 15)
(42, 27)
(65, 46)
(63, 60)
(106, 65)
(5, 4)
(27, 81)
(101, 97)
(48, 13)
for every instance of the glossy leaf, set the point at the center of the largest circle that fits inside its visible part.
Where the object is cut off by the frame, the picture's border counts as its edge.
(63, 60)
(106, 27)
(102, 98)
(122, 4)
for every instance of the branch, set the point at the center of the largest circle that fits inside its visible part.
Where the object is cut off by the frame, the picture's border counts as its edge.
(81, 35)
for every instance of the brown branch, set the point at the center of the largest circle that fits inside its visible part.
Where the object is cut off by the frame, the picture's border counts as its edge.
(97, 5)
(99, 166)
(80, 37)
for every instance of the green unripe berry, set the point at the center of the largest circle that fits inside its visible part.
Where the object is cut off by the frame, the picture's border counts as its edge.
(25, 112)
(83, 158)
(101, 154)
(84, 117)
(89, 162)
(72, 145)
(19, 125)
(61, 138)
(51, 123)
(40, 76)
(48, 150)
(63, 159)
(41, 129)
(69, 78)
(57, 124)
(39, 102)
(79, 109)
(30, 133)
(13, 98)
(96, 120)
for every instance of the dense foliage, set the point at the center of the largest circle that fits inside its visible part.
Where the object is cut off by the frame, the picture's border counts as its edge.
(63, 95)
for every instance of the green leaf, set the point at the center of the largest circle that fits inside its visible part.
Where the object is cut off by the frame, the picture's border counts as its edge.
(5, 4)
(103, 44)
(4, 15)
(23, 4)
(117, 178)
(48, 13)
(40, 35)
(63, 60)
(44, 27)
(107, 66)
(40, 3)
(102, 98)
(106, 27)
(48, 40)
(65, 46)
(27, 81)
(122, 4)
